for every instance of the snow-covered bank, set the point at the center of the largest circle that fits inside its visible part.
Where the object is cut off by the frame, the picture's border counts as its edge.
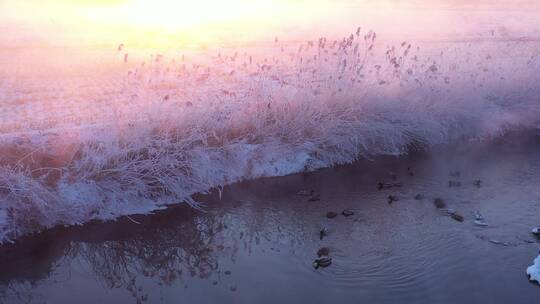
(534, 271)
(173, 127)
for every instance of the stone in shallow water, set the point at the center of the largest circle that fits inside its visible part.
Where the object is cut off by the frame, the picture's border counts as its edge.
(534, 271)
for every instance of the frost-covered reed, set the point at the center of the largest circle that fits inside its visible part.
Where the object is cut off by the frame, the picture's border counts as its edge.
(173, 126)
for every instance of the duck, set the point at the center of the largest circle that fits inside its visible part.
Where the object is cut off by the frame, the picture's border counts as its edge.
(456, 216)
(322, 262)
(382, 185)
(347, 212)
(439, 203)
(324, 251)
(479, 219)
(322, 233)
(391, 199)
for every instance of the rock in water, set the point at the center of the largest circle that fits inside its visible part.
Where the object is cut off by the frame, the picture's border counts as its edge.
(322, 262)
(331, 215)
(347, 212)
(439, 203)
(534, 271)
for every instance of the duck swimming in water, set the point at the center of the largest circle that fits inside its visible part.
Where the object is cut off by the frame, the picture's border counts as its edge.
(322, 262)
(439, 203)
(382, 185)
(479, 219)
(322, 233)
(347, 213)
(456, 216)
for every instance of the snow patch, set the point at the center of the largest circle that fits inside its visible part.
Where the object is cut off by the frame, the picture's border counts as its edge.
(534, 271)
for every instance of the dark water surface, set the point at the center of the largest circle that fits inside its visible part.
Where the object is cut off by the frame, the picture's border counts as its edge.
(257, 243)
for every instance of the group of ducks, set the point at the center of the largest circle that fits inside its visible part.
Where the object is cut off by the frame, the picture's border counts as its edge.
(438, 202)
(323, 260)
(533, 271)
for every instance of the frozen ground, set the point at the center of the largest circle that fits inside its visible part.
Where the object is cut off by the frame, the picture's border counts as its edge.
(85, 134)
